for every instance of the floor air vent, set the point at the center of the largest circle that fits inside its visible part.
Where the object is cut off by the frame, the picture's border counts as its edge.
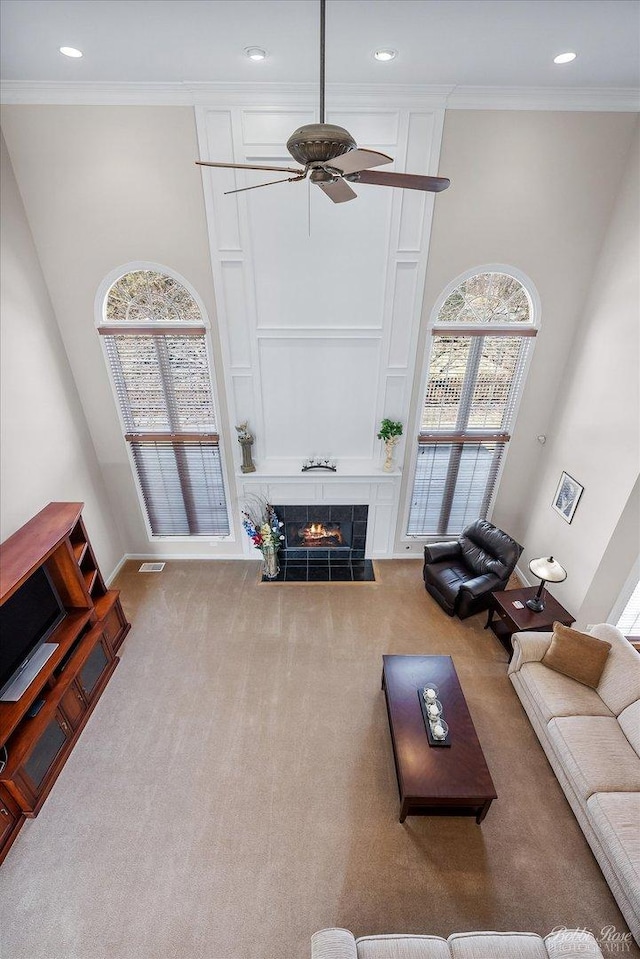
(151, 568)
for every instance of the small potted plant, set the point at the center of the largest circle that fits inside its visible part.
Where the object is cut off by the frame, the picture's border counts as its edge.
(390, 432)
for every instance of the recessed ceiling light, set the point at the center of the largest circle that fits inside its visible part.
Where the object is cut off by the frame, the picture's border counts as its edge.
(70, 52)
(564, 57)
(385, 54)
(255, 53)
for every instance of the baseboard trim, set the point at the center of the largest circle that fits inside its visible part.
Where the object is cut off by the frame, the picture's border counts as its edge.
(521, 576)
(181, 557)
(169, 557)
(117, 569)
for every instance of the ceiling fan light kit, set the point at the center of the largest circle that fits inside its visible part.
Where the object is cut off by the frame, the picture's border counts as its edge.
(330, 155)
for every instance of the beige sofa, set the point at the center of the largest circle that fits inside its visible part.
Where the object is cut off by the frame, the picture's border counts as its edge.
(592, 740)
(568, 944)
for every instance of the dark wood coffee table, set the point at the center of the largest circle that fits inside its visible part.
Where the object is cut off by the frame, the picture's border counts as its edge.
(512, 620)
(434, 780)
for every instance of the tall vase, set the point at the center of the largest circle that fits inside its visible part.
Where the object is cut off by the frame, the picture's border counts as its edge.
(389, 446)
(270, 567)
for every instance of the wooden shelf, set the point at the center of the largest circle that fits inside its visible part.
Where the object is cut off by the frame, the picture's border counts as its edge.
(65, 635)
(87, 639)
(79, 549)
(90, 578)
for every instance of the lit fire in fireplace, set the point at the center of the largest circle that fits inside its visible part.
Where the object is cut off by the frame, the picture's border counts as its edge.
(319, 534)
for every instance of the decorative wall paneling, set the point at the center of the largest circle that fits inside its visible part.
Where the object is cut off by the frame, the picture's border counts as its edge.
(319, 304)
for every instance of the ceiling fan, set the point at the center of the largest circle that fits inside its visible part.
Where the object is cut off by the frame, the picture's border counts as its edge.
(331, 157)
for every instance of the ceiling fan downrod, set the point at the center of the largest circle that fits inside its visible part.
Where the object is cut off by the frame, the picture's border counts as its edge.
(323, 15)
(330, 157)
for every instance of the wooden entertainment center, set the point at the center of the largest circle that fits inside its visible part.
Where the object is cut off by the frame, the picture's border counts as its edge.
(63, 694)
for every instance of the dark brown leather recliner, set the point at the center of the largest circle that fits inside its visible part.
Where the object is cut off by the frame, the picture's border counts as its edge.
(461, 575)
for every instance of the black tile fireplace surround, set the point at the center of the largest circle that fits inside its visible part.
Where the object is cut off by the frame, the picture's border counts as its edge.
(344, 562)
(354, 518)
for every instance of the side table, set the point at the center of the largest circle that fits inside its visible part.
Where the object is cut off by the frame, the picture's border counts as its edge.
(513, 620)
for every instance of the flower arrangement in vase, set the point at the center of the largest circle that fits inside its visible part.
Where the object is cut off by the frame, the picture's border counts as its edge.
(264, 529)
(390, 432)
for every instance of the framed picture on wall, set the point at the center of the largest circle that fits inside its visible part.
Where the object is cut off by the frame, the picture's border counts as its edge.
(567, 497)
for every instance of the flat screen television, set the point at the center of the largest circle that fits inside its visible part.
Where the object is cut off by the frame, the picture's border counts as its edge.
(27, 620)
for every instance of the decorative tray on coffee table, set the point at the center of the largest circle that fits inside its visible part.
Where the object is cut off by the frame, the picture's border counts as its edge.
(430, 737)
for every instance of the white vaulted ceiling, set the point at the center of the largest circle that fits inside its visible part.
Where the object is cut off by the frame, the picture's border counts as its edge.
(451, 42)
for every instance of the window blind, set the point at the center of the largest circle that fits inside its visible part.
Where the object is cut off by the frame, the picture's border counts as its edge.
(474, 382)
(453, 485)
(164, 392)
(182, 487)
(629, 622)
(162, 382)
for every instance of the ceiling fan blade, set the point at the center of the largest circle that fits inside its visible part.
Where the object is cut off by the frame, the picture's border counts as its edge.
(338, 190)
(356, 160)
(405, 181)
(249, 166)
(287, 179)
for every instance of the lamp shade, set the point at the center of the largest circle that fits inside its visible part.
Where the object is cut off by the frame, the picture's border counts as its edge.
(548, 569)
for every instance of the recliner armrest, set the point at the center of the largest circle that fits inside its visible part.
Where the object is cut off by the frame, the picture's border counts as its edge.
(435, 552)
(528, 648)
(333, 944)
(481, 585)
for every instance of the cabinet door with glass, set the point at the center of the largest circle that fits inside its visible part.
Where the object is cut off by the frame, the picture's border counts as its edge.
(40, 765)
(95, 669)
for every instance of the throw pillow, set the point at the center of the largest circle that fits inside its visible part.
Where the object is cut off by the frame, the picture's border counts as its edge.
(578, 655)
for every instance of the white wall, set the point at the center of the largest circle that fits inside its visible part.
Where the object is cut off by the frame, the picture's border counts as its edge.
(47, 451)
(595, 433)
(319, 303)
(533, 190)
(104, 186)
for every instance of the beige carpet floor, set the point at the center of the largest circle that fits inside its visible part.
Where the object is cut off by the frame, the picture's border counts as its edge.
(234, 789)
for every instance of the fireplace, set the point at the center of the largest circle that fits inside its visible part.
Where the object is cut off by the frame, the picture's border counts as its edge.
(324, 544)
(316, 534)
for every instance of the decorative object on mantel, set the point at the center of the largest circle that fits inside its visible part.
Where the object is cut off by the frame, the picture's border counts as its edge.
(390, 432)
(245, 439)
(548, 571)
(264, 530)
(567, 496)
(319, 463)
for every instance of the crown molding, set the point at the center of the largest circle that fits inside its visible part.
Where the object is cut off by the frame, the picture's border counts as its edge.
(304, 95)
(605, 99)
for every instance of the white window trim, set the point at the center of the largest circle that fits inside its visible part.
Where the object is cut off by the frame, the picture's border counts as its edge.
(100, 304)
(536, 313)
(625, 593)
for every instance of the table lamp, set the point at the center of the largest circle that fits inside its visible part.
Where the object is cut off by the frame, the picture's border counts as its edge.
(548, 570)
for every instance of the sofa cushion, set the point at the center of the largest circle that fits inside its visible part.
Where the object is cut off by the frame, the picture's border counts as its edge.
(577, 655)
(497, 945)
(595, 754)
(402, 947)
(620, 683)
(615, 818)
(629, 720)
(554, 694)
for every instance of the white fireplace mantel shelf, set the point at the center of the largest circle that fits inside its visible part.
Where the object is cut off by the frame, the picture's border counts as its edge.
(346, 471)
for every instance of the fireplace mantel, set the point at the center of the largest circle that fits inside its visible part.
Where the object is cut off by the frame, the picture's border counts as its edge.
(354, 483)
(349, 471)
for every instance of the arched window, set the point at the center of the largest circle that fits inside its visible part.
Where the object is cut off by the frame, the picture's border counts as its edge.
(154, 337)
(480, 342)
